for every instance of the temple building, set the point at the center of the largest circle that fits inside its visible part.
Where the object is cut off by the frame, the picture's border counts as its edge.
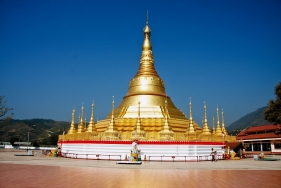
(147, 113)
(263, 138)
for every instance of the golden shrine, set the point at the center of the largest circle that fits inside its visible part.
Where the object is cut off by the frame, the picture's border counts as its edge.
(147, 112)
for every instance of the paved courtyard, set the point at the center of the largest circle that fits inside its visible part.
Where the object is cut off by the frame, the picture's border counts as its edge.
(43, 171)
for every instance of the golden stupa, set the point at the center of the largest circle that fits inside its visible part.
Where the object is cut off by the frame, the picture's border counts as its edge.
(146, 112)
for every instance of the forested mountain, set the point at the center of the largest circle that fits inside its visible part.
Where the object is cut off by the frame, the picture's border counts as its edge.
(253, 118)
(45, 131)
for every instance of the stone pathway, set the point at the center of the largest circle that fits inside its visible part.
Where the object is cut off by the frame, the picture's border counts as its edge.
(42, 171)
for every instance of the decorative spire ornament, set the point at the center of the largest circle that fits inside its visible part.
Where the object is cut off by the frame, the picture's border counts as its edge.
(214, 130)
(166, 133)
(138, 134)
(206, 130)
(111, 133)
(222, 123)
(72, 129)
(218, 129)
(111, 125)
(138, 121)
(166, 125)
(91, 126)
(191, 128)
(81, 125)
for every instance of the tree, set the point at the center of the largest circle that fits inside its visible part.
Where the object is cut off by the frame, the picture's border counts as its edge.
(273, 111)
(3, 111)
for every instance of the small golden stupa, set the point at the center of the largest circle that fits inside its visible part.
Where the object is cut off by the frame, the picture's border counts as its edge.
(146, 112)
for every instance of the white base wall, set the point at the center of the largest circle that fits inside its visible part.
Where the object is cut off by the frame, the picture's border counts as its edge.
(152, 152)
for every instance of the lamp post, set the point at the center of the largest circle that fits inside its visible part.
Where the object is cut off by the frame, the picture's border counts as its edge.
(28, 136)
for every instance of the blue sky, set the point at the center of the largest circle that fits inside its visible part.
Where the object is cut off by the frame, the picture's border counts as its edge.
(55, 55)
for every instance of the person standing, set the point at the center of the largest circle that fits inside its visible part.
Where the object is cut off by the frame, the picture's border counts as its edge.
(213, 155)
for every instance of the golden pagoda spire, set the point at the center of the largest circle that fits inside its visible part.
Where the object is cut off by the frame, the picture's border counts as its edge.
(111, 125)
(148, 86)
(214, 130)
(111, 134)
(218, 129)
(191, 128)
(147, 59)
(91, 126)
(138, 134)
(81, 126)
(85, 123)
(81, 116)
(72, 129)
(147, 17)
(166, 125)
(138, 121)
(222, 123)
(206, 130)
(166, 133)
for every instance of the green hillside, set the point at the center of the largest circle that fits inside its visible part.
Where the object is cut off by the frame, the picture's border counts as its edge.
(253, 118)
(45, 131)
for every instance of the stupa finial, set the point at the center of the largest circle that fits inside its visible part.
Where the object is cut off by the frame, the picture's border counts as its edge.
(92, 117)
(190, 111)
(218, 117)
(112, 116)
(218, 129)
(147, 17)
(205, 114)
(191, 128)
(213, 124)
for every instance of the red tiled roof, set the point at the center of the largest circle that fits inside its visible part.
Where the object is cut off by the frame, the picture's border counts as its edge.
(257, 136)
(263, 128)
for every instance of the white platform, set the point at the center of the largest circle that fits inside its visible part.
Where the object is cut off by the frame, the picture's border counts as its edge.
(166, 151)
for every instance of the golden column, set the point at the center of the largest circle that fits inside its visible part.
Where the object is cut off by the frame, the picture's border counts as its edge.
(72, 129)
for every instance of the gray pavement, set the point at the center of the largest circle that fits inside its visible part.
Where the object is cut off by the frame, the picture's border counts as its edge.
(7, 156)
